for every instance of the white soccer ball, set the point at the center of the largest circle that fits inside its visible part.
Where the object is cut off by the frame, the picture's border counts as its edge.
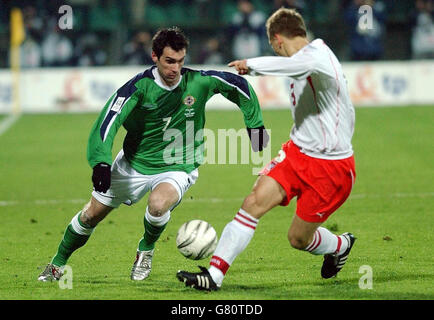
(196, 239)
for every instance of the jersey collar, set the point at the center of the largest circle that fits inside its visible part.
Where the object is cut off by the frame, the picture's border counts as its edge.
(160, 83)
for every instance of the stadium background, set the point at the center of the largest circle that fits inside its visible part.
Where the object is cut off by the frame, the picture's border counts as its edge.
(114, 23)
(45, 178)
(77, 67)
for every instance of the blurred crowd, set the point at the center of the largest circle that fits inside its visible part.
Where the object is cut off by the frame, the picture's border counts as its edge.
(236, 31)
(422, 41)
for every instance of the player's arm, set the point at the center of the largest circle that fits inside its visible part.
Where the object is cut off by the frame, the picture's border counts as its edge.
(239, 91)
(298, 66)
(101, 138)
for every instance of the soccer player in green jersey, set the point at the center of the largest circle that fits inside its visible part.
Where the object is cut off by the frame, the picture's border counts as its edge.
(161, 109)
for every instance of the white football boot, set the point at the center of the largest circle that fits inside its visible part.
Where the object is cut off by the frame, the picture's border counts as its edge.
(142, 266)
(51, 273)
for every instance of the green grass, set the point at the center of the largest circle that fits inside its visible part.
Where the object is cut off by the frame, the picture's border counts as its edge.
(45, 180)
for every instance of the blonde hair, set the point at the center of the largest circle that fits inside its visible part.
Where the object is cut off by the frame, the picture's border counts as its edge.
(287, 22)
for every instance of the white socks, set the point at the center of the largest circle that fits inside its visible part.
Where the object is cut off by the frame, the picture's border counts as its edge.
(157, 221)
(234, 239)
(237, 234)
(325, 242)
(79, 227)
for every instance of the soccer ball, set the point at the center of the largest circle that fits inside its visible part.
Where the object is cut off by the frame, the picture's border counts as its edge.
(196, 239)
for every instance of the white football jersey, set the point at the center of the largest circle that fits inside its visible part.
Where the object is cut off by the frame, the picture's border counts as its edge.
(320, 104)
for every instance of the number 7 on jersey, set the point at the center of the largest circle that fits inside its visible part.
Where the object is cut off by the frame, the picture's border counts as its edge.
(167, 120)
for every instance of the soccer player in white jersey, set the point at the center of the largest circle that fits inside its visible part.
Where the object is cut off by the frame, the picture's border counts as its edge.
(316, 165)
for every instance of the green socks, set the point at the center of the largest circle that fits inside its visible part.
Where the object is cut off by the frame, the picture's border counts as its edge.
(154, 227)
(76, 235)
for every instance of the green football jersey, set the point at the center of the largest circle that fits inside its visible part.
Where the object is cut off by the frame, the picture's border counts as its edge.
(163, 124)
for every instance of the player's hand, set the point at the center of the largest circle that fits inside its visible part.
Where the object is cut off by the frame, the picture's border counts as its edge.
(101, 177)
(240, 66)
(258, 137)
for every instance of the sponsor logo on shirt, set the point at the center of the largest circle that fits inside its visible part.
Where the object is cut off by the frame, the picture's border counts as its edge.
(117, 106)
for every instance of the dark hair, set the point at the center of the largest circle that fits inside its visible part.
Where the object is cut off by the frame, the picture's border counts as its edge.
(172, 37)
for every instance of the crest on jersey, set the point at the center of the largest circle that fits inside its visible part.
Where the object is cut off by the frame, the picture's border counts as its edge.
(189, 100)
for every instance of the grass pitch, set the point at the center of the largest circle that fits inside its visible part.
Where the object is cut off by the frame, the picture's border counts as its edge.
(45, 181)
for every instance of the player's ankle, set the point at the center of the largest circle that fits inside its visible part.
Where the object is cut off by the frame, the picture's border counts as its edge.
(216, 275)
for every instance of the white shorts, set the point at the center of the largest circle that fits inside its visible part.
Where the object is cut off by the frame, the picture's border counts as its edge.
(129, 186)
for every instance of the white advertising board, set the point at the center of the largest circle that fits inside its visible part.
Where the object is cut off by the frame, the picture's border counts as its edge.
(87, 89)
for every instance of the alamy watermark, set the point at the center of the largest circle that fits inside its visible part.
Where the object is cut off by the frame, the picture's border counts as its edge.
(366, 19)
(66, 20)
(204, 146)
(366, 280)
(65, 282)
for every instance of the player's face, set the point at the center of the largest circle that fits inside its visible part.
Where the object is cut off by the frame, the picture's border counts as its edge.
(169, 64)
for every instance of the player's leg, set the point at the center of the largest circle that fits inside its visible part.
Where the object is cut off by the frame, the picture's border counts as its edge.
(267, 193)
(75, 236)
(311, 237)
(80, 229)
(317, 240)
(301, 233)
(157, 214)
(272, 188)
(330, 183)
(94, 212)
(84, 222)
(167, 192)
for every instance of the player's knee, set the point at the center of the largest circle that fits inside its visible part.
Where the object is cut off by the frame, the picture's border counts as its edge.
(155, 211)
(254, 204)
(157, 206)
(250, 201)
(92, 214)
(297, 242)
(88, 220)
(251, 205)
(160, 202)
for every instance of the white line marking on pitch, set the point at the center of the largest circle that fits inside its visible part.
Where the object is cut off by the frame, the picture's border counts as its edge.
(7, 203)
(8, 122)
